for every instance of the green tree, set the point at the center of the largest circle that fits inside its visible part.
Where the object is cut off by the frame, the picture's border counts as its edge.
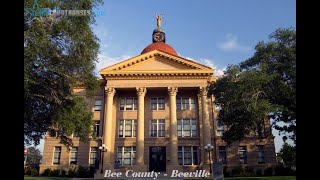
(288, 155)
(260, 88)
(33, 157)
(59, 54)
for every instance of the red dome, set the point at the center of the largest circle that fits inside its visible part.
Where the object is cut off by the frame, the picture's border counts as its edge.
(161, 47)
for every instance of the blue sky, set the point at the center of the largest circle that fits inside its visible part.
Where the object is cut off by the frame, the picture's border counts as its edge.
(213, 32)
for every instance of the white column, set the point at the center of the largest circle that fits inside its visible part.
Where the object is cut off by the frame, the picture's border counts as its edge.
(107, 136)
(173, 126)
(203, 91)
(141, 92)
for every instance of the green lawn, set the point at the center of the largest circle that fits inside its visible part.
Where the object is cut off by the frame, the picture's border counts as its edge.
(44, 178)
(254, 178)
(231, 178)
(263, 178)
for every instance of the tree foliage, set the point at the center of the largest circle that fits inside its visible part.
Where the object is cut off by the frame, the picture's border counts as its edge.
(33, 157)
(288, 155)
(59, 54)
(260, 88)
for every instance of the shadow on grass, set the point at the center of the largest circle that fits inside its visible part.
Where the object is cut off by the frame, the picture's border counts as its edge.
(45, 178)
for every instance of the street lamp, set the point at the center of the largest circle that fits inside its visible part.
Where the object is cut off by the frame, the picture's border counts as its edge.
(102, 149)
(209, 148)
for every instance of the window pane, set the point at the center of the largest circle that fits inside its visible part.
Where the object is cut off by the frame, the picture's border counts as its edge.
(96, 129)
(93, 155)
(128, 128)
(129, 104)
(195, 157)
(193, 104)
(122, 103)
(178, 103)
(185, 103)
(134, 128)
(135, 104)
(121, 128)
(57, 155)
(161, 131)
(153, 128)
(186, 128)
(179, 127)
(161, 103)
(97, 105)
(74, 155)
(153, 103)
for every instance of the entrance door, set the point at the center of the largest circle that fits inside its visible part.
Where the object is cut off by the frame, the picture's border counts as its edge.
(157, 158)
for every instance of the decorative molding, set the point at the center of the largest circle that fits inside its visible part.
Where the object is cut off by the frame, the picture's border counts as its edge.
(172, 91)
(141, 91)
(143, 57)
(110, 91)
(153, 77)
(203, 91)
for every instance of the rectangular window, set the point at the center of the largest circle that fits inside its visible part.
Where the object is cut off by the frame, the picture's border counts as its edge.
(127, 128)
(128, 104)
(74, 155)
(243, 154)
(187, 127)
(220, 129)
(93, 155)
(157, 128)
(157, 103)
(222, 154)
(56, 155)
(184, 103)
(97, 105)
(96, 128)
(187, 155)
(261, 159)
(126, 155)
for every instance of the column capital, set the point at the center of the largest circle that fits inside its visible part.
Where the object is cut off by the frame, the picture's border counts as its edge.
(110, 91)
(203, 91)
(141, 91)
(172, 91)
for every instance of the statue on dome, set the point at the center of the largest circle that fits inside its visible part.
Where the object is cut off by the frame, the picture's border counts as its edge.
(159, 19)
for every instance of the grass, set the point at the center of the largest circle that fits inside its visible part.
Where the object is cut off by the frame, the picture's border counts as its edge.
(44, 178)
(263, 178)
(254, 178)
(229, 178)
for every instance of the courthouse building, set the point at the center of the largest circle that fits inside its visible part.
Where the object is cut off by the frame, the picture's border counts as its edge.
(153, 112)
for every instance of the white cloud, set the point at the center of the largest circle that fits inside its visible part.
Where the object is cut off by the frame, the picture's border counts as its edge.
(105, 61)
(208, 62)
(231, 44)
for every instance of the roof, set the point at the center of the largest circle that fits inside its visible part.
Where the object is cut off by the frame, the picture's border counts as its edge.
(161, 46)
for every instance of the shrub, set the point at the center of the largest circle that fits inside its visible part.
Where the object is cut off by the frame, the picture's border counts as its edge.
(259, 172)
(248, 171)
(46, 172)
(34, 172)
(225, 172)
(280, 170)
(63, 173)
(237, 171)
(92, 170)
(82, 172)
(55, 172)
(268, 171)
(72, 173)
(27, 171)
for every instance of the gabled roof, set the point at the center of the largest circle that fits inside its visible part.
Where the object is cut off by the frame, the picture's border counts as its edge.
(187, 67)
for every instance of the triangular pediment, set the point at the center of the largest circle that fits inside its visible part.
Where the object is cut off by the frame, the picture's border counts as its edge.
(155, 61)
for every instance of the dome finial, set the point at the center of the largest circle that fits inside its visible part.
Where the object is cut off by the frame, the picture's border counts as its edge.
(159, 20)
